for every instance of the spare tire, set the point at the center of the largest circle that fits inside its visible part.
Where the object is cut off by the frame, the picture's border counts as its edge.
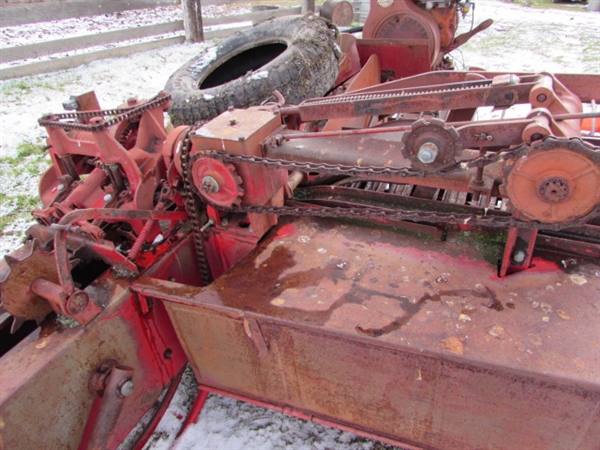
(296, 55)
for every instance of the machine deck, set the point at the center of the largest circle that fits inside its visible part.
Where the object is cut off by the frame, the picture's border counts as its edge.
(404, 337)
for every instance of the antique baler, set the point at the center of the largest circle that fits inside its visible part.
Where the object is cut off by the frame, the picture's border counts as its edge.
(379, 260)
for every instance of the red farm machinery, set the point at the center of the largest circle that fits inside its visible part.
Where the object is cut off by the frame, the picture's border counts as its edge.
(383, 257)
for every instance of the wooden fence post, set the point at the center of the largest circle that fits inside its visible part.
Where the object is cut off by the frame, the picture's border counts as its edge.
(308, 6)
(192, 20)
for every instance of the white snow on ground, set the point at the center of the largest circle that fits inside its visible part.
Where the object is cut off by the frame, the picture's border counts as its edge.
(522, 39)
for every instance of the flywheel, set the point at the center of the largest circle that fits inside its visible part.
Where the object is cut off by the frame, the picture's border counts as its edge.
(558, 181)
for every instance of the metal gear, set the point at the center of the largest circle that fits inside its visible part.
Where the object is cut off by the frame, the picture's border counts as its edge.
(217, 182)
(17, 272)
(431, 146)
(557, 181)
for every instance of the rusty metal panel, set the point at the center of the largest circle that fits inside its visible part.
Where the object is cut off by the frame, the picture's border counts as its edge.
(414, 340)
(44, 396)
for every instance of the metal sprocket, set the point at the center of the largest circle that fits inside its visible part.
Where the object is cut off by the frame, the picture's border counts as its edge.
(17, 272)
(217, 182)
(431, 146)
(557, 181)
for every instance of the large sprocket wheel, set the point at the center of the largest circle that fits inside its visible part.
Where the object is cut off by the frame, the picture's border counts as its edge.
(17, 273)
(295, 55)
(431, 146)
(558, 181)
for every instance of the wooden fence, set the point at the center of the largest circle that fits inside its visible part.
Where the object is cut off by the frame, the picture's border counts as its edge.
(12, 14)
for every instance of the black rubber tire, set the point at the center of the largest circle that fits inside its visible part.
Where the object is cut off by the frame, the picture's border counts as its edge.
(296, 55)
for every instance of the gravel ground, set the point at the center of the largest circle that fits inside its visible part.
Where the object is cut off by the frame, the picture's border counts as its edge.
(521, 39)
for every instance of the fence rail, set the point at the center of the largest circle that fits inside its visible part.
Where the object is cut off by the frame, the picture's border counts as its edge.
(12, 14)
(161, 33)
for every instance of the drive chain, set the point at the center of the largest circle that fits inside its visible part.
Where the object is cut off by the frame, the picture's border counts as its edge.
(120, 115)
(191, 205)
(490, 219)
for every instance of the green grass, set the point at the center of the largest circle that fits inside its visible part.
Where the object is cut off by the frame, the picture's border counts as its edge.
(15, 89)
(29, 162)
(489, 243)
(23, 205)
(27, 153)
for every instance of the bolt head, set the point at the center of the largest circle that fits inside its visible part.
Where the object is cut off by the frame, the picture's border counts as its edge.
(108, 197)
(77, 302)
(519, 256)
(427, 152)
(126, 389)
(210, 185)
(60, 187)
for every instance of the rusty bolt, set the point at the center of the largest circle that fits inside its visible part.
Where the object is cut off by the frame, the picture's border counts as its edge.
(131, 101)
(77, 302)
(210, 185)
(126, 388)
(428, 152)
(232, 121)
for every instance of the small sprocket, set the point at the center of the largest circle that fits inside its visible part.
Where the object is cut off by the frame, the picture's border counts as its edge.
(431, 146)
(217, 182)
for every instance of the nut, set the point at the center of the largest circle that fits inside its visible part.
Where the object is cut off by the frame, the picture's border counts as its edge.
(427, 152)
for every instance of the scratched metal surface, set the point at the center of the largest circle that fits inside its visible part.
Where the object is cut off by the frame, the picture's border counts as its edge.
(442, 296)
(404, 337)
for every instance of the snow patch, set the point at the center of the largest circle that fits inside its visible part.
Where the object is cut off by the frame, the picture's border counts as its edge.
(259, 75)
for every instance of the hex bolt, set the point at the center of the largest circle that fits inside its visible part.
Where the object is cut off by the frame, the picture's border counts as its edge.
(108, 198)
(519, 256)
(427, 152)
(210, 185)
(126, 389)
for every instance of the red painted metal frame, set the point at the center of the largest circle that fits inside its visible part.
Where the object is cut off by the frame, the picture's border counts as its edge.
(144, 342)
(448, 355)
